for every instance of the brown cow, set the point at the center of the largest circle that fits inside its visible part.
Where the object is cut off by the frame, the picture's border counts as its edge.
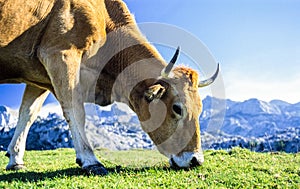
(92, 51)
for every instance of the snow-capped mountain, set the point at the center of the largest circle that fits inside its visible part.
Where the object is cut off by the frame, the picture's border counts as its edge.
(8, 118)
(255, 124)
(115, 127)
(273, 125)
(254, 107)
(253, 118)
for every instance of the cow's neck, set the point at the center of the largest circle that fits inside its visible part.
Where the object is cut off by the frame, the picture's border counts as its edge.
(126, 59)
(129, 61)
(132, 67)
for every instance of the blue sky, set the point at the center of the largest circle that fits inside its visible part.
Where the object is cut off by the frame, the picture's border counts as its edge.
(257, 43)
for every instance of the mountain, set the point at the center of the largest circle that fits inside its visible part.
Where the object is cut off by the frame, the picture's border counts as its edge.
(252, 118)
(115, 127)
(267, 125)
(254, 107)
(280, 103)
(254, 124)
(8, 117)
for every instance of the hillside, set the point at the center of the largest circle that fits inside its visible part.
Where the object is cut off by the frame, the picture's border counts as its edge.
(253, 124)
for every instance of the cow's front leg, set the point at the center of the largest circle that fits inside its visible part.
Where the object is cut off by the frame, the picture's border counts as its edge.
(84, 154)
(63, 68)
(32, 102)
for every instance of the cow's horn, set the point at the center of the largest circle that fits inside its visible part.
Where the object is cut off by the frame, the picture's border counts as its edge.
(165, 72)
(209, 80)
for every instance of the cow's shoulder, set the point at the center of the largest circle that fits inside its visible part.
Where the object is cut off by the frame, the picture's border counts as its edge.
(76, 23)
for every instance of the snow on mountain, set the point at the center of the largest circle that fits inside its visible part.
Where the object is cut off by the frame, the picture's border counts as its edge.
(50, 108)
(8, 117)
(114, 127)
(254, 107)
(292, 110)
(273, 125)
(224, 123)
(255, 118)
(280, 103)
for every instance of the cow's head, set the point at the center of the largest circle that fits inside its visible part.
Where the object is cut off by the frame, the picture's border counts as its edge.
(169, 109)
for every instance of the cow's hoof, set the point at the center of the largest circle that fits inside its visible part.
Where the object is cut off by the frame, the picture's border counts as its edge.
(15, 167)
(97, 169)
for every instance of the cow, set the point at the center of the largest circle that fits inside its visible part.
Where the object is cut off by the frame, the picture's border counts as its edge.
(92, 51)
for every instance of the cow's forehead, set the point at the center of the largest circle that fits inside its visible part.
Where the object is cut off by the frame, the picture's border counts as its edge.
(183, 75)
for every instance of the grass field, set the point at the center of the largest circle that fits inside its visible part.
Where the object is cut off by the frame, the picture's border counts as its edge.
(237, 168)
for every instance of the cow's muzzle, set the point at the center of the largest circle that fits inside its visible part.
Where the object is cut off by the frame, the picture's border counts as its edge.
(187, 160)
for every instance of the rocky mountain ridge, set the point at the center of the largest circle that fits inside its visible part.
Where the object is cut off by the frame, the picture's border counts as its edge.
(254, 124)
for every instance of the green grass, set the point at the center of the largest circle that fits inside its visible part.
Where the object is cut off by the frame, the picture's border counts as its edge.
(237, 168)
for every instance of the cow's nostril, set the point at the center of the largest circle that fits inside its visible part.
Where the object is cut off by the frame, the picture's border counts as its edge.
(194, 162)
(174, 164)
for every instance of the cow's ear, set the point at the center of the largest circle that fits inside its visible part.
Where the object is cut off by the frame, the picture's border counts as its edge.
(154, 92)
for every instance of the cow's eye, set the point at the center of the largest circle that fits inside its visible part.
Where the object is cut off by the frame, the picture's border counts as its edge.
(177, 109)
